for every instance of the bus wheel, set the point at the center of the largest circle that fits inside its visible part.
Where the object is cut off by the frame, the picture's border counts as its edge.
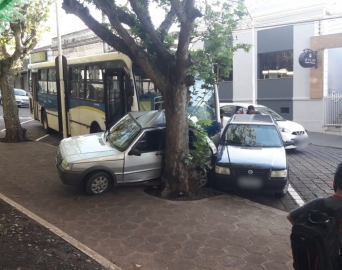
(98, 183)
(95, 128)
(45, 123)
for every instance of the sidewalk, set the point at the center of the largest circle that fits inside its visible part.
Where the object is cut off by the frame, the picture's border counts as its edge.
(137, 231)
(327, 140)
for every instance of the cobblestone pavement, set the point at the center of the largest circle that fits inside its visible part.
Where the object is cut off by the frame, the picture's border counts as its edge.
(131, 228)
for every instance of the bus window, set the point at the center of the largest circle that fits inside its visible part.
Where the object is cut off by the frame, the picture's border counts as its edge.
(52, 83)
(94, 84)
(42, 82)
(76, 89)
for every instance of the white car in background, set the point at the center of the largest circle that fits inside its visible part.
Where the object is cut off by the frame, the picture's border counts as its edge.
(289, 129)
(21, 97)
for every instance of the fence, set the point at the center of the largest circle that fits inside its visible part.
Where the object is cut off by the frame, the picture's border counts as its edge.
(333, 110)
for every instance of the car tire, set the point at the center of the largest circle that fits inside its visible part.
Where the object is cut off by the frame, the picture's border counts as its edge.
(1, 101)
(202, 176)
(282, 193)
(98, 183)
(45, 123)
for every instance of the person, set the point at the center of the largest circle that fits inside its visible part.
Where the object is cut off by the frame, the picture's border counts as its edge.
(239, 111)
(221, 117)
(333, 202)
(331, 205)
(250, 109)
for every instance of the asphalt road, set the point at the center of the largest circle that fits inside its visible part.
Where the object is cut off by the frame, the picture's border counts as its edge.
(311, 169)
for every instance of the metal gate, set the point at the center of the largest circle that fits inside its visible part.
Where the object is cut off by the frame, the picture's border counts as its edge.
(333, 110)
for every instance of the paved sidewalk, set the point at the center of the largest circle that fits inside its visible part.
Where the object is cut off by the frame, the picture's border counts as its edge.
(322, 139)
(137, 231)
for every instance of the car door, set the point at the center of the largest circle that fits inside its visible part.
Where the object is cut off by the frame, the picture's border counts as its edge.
(148, 164)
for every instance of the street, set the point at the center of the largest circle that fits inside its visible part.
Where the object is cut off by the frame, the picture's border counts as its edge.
(311, 170)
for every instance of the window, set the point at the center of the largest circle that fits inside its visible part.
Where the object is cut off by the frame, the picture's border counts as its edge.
(228, 110)
(94, 84)
(276, 65)
(52, 83)
(42, 81)
(150, 141)
(76, 89)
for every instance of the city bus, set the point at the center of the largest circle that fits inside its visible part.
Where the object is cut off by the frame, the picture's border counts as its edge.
(99, 90)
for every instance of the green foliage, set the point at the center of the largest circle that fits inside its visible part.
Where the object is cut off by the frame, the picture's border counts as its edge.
(202, 152)
(215, 32)
(9, 11)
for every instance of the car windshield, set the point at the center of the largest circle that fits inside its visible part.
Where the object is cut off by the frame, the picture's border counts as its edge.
(265, 110)
(123, 132)
(202, 103)
(252, 135)
(19, 92)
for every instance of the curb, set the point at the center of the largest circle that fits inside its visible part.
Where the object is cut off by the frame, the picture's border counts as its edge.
(83, 248)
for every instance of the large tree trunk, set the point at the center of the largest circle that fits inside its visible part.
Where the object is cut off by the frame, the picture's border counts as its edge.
(178, 176)
(14, 131)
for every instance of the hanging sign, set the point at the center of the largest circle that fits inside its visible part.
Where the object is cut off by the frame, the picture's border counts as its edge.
(308, 59)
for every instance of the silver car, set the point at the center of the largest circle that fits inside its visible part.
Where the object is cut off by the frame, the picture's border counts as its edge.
(130, 152)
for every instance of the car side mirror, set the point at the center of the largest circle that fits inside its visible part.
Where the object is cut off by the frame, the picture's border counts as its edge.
(288, 143)
(134, 152)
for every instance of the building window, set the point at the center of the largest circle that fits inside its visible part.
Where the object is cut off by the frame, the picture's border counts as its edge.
(276, 65)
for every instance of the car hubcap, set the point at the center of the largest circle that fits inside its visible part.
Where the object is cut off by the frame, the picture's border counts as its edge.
(202, 178)
(99, 184)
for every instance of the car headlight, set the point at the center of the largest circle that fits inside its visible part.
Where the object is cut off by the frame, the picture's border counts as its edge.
(222, 170)
(282, 129)
(279, 174)
(65, 165)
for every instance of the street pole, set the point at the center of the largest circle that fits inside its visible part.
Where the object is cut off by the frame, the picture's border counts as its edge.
(61, 73)
(254, 90)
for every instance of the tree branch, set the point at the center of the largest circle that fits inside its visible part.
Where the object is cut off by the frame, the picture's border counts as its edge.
(165, 26)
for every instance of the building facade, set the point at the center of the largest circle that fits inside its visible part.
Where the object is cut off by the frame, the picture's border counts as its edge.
(306, 95)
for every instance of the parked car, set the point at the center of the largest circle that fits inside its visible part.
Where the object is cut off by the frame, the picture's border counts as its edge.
(21, 97)
(289, 129)
(129, 152)
(251, 155)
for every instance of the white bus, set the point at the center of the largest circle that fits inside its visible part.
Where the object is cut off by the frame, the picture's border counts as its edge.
(99, 90)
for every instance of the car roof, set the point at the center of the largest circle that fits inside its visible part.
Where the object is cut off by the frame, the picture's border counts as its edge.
(252, 119)
(148, 119)
(241, 104)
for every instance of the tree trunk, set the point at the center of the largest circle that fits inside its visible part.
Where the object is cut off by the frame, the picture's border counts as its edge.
(178, 176)
(14, 131)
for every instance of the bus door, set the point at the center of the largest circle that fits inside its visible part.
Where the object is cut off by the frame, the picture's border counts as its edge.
(114, 96)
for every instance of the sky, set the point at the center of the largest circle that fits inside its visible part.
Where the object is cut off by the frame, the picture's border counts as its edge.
(70, 23)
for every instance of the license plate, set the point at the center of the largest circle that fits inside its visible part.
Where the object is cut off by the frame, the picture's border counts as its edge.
(249, 182)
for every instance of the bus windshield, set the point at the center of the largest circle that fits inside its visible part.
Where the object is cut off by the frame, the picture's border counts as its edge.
(202, 103)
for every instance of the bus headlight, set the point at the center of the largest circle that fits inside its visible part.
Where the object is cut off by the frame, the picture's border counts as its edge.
(279, 174)
(65, 165)
(222, 170)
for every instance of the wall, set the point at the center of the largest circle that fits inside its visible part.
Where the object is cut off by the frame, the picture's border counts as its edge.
(242, 65)
(225, 90)
(335, 70)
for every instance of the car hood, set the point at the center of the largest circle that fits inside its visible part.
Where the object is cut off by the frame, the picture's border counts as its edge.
(87, 148)
(267, 157)
(292, 126)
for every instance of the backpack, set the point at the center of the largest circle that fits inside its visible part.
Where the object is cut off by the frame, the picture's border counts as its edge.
(316, 241)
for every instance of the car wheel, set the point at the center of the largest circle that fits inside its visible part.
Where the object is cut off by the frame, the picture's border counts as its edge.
(45, 123)
(1, 101)
(98, 183)
(202, 177)
(283, 192)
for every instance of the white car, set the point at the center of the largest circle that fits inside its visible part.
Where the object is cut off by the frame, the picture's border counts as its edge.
(289, 130)
(21, 97)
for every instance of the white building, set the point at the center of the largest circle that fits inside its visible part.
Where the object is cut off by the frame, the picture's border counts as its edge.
(281, 33)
